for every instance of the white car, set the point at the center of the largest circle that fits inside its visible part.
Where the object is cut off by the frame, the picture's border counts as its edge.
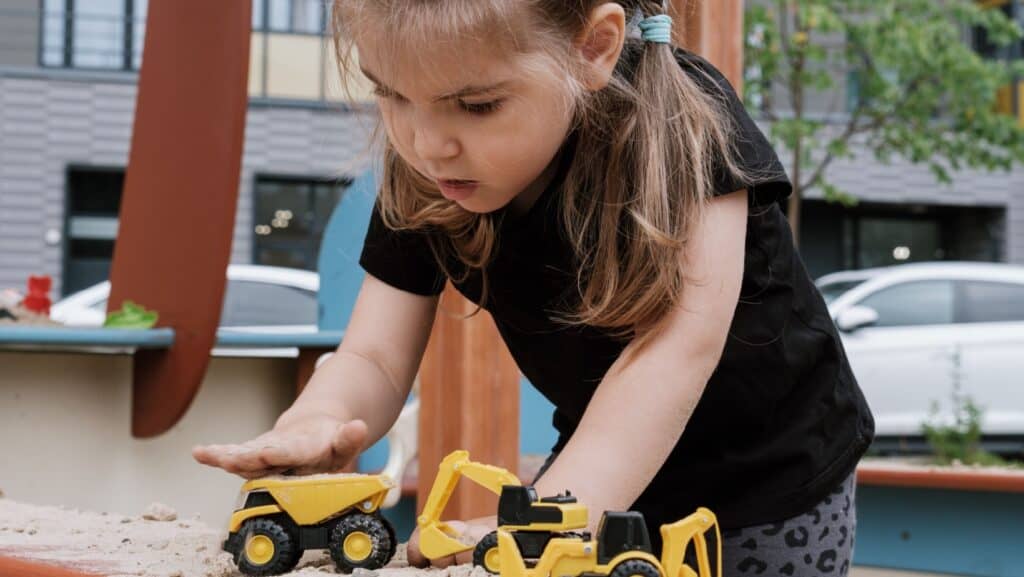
(917, 333)
(261, 299)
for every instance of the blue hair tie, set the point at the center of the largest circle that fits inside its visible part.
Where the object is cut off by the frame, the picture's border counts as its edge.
(657, 29)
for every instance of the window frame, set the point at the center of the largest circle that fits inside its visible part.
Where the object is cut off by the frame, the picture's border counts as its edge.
(129, 29)
(65, 246)
(263, 6)
(343, 183)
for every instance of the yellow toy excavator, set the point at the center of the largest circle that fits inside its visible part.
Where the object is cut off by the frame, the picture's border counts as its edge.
(437, 538)
(536, 522)
(691, 547)
(547, 538)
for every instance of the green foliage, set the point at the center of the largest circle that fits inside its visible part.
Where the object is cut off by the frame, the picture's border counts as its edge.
(923, 92)
(959, 441)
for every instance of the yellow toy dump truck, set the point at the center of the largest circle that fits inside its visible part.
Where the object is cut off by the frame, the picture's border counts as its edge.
(548, 538)
(278, 518)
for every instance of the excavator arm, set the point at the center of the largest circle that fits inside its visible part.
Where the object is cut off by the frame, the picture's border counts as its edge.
(437, 538)
(700, 528)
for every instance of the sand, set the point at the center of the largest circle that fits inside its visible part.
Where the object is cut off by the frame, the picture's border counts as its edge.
(119, 545)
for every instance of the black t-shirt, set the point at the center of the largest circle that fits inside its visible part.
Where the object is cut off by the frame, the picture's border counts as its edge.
(781, 421)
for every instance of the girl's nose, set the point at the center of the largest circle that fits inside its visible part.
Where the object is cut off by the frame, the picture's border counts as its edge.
(432, 142)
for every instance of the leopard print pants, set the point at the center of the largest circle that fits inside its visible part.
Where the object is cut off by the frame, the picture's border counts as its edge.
(818, 543)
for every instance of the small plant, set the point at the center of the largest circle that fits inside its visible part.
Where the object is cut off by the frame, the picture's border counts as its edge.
(959, 441)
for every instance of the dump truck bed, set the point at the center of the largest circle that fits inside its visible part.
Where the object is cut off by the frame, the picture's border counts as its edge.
(309, 500)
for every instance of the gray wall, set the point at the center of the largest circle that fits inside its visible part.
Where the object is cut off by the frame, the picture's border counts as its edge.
(19, 32)
(906, 183)
(50, 120)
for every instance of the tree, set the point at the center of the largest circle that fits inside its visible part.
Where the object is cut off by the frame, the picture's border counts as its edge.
(923, 92)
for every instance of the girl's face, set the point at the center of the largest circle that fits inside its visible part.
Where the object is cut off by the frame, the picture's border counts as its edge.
(473, 122)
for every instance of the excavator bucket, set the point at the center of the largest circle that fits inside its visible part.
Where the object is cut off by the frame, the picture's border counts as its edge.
(699, 530)
(438, 539)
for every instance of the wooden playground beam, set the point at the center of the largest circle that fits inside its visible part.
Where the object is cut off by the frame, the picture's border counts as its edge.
(469, 396)
(181, 192)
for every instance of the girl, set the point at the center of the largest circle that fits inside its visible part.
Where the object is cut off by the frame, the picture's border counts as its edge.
(607, 199)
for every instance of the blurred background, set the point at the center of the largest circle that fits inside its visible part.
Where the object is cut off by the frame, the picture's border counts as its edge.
(901, 123)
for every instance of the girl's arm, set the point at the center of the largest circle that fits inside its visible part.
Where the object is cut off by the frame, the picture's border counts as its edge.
(641, 408)
(352, 399)
(370, 375)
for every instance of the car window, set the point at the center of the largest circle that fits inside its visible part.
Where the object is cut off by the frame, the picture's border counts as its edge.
(834, 290)
(250, 303)
(991, 302)
(913, 303)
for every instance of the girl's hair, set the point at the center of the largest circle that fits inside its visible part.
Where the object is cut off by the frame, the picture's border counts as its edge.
(649, 145)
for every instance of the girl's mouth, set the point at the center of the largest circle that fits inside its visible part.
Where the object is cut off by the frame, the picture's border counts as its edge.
(457, 189)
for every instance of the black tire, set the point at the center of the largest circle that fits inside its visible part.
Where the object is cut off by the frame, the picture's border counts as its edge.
(487, 544)
(374, 529)
(394, 539)
(286, 551)
(635, 568)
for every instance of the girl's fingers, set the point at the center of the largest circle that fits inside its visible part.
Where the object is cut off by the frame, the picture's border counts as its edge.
(412, 551)
(464, 557)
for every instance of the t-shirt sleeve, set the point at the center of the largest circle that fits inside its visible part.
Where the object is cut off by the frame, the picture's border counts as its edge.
(767, 181)
(402, 259)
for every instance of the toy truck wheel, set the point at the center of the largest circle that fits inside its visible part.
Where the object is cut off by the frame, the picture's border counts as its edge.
(486, 553)
(267, 548)
(635, 568)
(360, 541)
(394, 539)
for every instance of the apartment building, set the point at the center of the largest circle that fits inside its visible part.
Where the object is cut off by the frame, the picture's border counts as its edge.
(68, 76)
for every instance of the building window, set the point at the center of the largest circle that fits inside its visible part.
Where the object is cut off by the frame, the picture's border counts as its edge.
(93, 204)
(291, 16)
(880, 234)
(100, 34)
(1008, 99)
(290, 217)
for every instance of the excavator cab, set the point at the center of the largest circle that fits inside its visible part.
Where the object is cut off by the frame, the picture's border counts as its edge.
(518, 506)
(620, 532)
(519, 509)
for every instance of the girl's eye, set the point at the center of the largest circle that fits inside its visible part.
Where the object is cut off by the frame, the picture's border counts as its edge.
(383, 92)
(481, 108)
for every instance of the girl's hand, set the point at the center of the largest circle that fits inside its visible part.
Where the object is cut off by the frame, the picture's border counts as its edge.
(317, 443)
(472, 531)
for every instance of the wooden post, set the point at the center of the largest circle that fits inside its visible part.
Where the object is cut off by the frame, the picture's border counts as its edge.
(469, 399)
(713, 29)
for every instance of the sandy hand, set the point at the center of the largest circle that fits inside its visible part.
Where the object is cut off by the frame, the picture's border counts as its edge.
(471, 532)
(316, 444)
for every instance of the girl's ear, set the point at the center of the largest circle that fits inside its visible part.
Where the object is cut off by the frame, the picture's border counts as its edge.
(601, 43)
